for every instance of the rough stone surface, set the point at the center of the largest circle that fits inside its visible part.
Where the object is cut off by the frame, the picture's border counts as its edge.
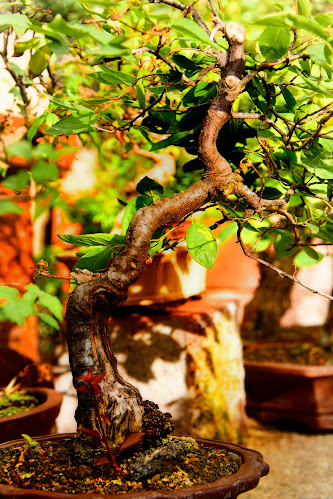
(301, 463)
(188, 360)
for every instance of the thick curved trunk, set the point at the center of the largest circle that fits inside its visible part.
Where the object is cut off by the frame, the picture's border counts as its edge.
(115, 409)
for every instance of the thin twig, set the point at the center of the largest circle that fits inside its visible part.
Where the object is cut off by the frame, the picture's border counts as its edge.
(280, 272)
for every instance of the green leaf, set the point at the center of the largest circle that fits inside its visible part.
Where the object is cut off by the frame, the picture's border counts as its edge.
(33, 291)
(304, 8)
(21, 148)
(173, 139)
(32, 443)
(325, 19)
(118, 77)
(283, 244)
(49, 320)
(52, 303)
(132, 207)
(7, 292)
(293, 21)
(274, 43)
(98, 239)
(155, 246)
(192, 165)
(319, 161)
(60, 25)
(313, 228)
(201, 244)
(229, 230)
(39, 60)
(16, 309)
(307, 257)
(7, 207)
(19, 22)
(17, 182)
(68, 105)
(314, 85)
(191, 30)
(34, 127)
(114, 49)
(184, 62)
(42, 171)
(140, 90)
(149, 187)
(21, 47)
(95, 260)
(75, 123)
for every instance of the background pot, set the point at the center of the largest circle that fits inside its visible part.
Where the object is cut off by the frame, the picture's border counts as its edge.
(37, 421)
(290, 392)
(251, 470)
(172, 276)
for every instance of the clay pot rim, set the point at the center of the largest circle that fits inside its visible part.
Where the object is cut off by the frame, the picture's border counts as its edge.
(309, 371)
(247, 477)
(52, 398)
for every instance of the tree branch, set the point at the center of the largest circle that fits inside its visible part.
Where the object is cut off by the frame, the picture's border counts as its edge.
(277, 270)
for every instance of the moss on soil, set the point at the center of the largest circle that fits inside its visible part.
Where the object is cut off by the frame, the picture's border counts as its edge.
(305, 354)
(17, 402)
(50, 466)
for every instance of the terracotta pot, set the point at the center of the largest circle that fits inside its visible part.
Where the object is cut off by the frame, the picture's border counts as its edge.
(37, 421)
(171, 276)
(289, 392)
(251, 470)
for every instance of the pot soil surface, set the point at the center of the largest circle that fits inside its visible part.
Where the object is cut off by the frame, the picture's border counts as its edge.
(305, 354)
(177, 462)
(17, 402)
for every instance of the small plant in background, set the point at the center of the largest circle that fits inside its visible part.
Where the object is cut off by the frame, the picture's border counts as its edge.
(16, 309)
(16, 402)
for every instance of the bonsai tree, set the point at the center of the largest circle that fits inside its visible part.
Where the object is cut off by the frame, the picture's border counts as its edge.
(254, 115)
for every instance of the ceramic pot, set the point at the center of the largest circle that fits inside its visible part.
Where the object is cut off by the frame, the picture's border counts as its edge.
(172, 276)
(278, 392)
(37, 421)
(247, 477)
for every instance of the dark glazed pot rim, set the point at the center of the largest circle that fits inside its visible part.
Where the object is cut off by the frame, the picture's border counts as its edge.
(52, 398)
(247, 477)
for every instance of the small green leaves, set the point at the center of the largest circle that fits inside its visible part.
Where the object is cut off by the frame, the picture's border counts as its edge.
(17, 182)
(274, 43)
(307, 257)
(304, 8)
(132, 207)
(319, 161)
(96, 259)
(39, 60)
(100, 249)
(9, 207)
(21, 148)
(33, 444)
(117, 77)
(16, 309)
(201, 244)
(80, 121)
(98, 239)
(283, 244)
(149, 187)
(190, 29)
(13, 308)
